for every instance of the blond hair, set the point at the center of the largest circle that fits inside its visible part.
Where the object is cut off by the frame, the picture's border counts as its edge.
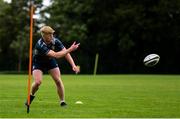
(46, 29)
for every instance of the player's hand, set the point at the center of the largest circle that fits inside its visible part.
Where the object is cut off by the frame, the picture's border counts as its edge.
(76, 69)
(74, 46)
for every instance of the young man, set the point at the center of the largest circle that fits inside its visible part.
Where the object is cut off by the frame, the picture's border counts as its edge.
(47, 50)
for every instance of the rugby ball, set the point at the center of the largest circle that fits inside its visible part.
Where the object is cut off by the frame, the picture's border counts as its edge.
(151, 60)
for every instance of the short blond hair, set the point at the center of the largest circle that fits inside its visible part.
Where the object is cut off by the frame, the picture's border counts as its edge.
(46, 29)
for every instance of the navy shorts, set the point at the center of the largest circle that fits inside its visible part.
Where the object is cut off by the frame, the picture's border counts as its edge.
(45, 66)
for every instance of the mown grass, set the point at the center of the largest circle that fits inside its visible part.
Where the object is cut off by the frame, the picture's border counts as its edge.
(103, 96)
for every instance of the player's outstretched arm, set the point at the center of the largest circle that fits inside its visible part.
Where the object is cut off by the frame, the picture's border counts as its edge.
(75, 68)
(63, 52)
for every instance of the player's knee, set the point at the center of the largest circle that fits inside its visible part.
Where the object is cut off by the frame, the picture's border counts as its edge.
(38, 83)
(57, 82)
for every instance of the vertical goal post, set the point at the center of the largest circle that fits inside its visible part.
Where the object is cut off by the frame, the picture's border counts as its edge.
(96, 63)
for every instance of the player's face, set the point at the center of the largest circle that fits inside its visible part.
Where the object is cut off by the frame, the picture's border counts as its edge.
(48, 37)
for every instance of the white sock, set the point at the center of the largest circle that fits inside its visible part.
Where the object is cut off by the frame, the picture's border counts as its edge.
(62, 101)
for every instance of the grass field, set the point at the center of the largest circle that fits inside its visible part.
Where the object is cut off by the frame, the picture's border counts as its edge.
(103, 96)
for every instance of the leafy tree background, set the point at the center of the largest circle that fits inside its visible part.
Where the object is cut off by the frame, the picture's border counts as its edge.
(123, 32)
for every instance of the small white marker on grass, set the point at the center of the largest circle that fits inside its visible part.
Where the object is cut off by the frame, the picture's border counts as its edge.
(78, 102)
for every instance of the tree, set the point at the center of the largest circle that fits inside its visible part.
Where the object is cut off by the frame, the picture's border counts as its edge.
(6, 25)
(15, 33)
(121, 31)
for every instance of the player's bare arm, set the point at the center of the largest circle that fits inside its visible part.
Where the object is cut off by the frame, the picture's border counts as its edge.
(75, 68)
(63, 52)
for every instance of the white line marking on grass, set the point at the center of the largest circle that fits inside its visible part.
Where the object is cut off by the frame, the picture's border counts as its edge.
(24, 100)
(9, 100)
(89, 118)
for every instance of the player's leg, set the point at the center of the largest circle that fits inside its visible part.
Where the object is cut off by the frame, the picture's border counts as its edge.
(37, 75)
(55, 73)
